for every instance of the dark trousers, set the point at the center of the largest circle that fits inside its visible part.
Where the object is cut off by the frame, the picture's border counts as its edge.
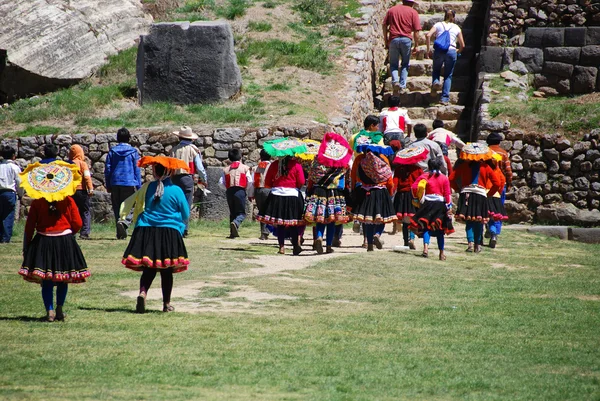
(117, 195)
(8, 199)
(186, 183)
(166, 282)
(82, 200)
(261, 195)
(236, 200)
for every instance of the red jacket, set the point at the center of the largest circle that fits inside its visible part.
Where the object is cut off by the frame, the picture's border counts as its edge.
(294, 178)
(437, 184)
(41, 220)
(462, 177)
(405, 175)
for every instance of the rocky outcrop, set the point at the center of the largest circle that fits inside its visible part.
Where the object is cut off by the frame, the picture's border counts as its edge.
(53, 43)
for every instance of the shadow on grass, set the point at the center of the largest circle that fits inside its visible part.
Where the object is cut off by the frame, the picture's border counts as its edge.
(24, 318)
(240, 250)
(117, 310)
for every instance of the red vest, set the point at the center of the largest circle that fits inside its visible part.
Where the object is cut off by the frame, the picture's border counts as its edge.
(235, 175)
(261, 173)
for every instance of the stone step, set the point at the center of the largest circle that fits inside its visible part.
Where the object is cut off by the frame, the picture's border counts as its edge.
(425, 66)
(465, 21)
(459, 7)
(423, 99)
(451, 112)
(452, 125)
(423, 84)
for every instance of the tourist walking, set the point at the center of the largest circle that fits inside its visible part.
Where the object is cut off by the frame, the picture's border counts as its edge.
(394, 122)
(401, 28)
(494, 226)
(261, 193)
(9, 184)
(52, 257)
(326, 203)
(373, 190)
(191, 156)
(122, 177)
(475, 180)
(449, 43)
(85, 189)
(236, 180)
(156, 244)
(435, 151)
(432, 217)
(284, 206)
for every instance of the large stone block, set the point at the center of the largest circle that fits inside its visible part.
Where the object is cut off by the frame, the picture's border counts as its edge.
(188, 63)
(534, 37)
(575, 36)
(532, 58)
(569, 55)
(553, 37)
(592, 36)
(490, 59)
(587, 235)
(559, 69)
(214, 206)
(590, 55)
(560, 232)
(584, 79)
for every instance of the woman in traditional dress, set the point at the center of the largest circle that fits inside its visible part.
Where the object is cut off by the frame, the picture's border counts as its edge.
(373, 189)
(432, 217)
(326, 203)
(475, 180)
(53, 257)
(160, 213)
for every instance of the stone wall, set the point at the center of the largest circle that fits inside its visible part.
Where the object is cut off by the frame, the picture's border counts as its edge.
(509, 19)
(555, 180)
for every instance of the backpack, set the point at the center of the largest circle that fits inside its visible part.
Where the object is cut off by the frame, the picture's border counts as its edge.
(442, 42)
(375, 169)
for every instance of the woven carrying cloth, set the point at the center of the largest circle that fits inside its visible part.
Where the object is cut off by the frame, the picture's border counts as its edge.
(283, 147)
(411, 155)
(476, 151)
(53, 182)
(334, 151)
(375, 168)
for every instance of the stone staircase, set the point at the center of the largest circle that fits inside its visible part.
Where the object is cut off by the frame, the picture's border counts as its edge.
(423, 107)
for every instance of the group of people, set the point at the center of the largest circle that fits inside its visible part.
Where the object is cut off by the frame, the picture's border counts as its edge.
(401, 32)
(377, 177)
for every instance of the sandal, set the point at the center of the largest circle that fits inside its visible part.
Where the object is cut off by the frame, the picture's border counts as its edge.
(425, 254)
(60, 315)
(168, 308)
(318, 246)
(442, 256)
(329, 250)
(470, 248)
(50, 316)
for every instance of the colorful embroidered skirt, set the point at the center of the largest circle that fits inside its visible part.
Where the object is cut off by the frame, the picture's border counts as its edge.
(156, 248)
(403, 205)
(496, 208)
(58, 259)
(281, 210)
(431, 216)
(472, 207)
(373, 206)
(326, 206)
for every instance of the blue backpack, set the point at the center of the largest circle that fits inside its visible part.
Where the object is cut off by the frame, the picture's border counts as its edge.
(442, 42)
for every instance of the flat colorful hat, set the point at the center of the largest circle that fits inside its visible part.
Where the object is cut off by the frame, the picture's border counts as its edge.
(312, 148)
(53, 182)
(335, 151)
(476, 151)
(411, 155)
(283, 147)
(367, 138)
(378, 149)
(170, 163)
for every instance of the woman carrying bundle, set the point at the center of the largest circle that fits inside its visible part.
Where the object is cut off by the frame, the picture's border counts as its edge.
(326, 204)
(373, 189)
(432, 216)
(475, 180)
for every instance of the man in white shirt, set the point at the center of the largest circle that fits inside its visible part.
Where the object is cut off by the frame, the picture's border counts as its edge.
(9, 184)
(444, 137)
(394, 122)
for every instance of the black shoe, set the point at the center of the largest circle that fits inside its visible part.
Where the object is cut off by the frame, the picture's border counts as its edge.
(488, 233)
(121, 230)
(185, 234)
(84, 237)
(140, 306)
(378, 242)
(234, 230)
(319, 246)
(337, 243)
(493, 241)
(264, 237)
(297, 250)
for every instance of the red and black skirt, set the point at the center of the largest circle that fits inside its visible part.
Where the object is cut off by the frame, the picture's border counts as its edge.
(472, 207)
(156, 248)
(57, 259)
(431, 216)
(373, 206)
(403, 205)
(496, 208)
(279, 210)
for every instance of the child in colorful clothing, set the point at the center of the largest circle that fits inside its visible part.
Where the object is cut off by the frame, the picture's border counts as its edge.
(52, 257)
(395, 122)
(432, 216)
(326, 204)
(261, 193)
(374, 186)
(156, 244)
(285, 205)
(236, 179)
(494, 226)
(84, 190)
(405, 174)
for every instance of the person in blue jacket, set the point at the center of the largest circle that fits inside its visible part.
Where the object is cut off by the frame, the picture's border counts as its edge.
(122, 177)
(156, 244)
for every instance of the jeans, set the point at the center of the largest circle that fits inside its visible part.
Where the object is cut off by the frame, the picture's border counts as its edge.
(82, 200)
(475, 232)
(400, 49)
(236, 200)
(438, 234)
(494, 226)
(186, 183)
(448, 60)
(331, 229)
(8, 199)
(261, 195)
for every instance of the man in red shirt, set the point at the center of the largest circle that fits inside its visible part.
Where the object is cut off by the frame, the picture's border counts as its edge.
(400, 25)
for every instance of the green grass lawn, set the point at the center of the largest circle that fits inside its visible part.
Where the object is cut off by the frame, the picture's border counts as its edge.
(520, 323)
